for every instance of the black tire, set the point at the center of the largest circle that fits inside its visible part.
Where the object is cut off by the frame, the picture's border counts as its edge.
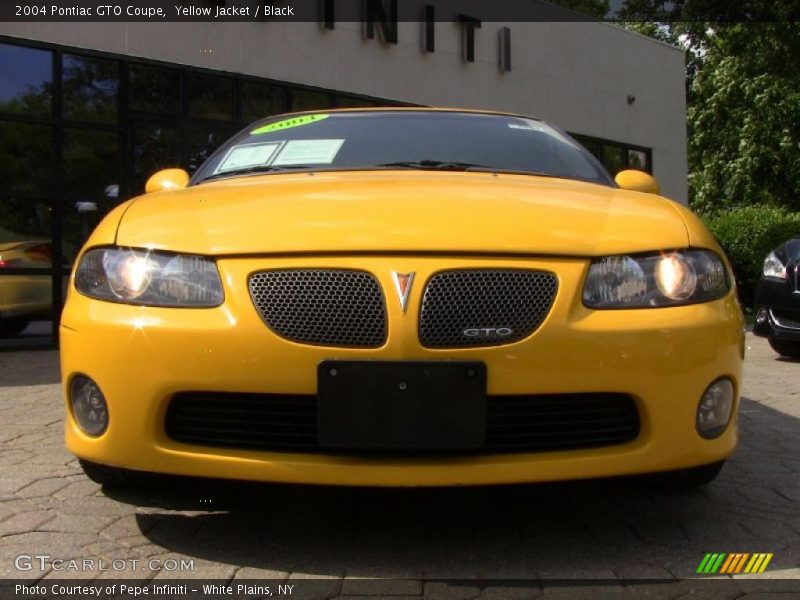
(113, 477)
(785, 347)
(12, 327)
(687, 479)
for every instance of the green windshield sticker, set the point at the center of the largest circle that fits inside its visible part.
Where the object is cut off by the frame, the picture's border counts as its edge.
(289, 124)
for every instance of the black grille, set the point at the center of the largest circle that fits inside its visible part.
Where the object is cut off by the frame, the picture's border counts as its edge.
(560, 421)
(247, 421)
(495, 306)
(786, 318)
(516, 424)
(322, 307)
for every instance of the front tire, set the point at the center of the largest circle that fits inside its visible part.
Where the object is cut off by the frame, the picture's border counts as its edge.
(785, 348)
(687, 479)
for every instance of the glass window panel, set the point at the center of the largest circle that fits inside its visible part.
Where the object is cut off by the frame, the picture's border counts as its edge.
(637, 160)
(26, 157)
(155, 147)
(201, 144)
(26, 313)
(90, 163)
(308, 100)
(613, 159)
(155, 90)
(26, 80)
(209, 96)
(25, 243)
(79, 220)
(91, 87)
(24, 221)
(260, 100)
(592, 146)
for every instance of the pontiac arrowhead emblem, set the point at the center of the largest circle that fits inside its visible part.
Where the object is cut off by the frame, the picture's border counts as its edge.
(402, 285)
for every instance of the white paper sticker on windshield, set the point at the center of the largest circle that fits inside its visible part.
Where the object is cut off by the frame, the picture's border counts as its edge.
(248, 155)
(308, 152)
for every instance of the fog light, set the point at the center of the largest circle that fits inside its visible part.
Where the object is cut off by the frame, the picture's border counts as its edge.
(88, 405)
(714, 410)
(762, 315)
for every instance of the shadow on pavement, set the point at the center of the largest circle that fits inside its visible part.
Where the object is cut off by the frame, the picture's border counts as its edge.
(604, 528)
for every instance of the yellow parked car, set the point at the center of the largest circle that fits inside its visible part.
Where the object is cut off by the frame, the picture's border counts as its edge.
(24, 297)
(401, 297)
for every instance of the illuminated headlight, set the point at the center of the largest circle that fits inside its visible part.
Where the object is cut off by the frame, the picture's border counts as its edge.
(149, 278)
(773, 267)
(676, 278)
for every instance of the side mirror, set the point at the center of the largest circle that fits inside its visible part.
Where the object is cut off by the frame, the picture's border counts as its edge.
(167, 179)
(637, 181)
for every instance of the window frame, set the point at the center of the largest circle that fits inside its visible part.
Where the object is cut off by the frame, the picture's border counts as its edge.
(625, 147)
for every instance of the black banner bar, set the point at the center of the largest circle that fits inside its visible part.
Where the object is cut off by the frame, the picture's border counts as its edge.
(328, 12)
(314, 588)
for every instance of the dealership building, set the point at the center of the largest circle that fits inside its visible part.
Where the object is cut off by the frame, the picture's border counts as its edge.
(89, 110)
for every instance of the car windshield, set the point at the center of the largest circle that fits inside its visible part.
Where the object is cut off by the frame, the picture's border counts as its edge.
(422, 140)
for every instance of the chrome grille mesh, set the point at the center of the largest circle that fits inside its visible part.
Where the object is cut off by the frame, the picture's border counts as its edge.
(787, 319)
(324, 307)
(511, 299)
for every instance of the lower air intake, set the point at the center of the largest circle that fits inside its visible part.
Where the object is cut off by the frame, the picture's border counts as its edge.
(515, 424)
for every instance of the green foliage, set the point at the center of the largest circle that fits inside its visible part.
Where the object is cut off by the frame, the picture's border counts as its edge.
(748, 234)
(591, 8)
(26, 157)
(743, 95)
(744, 137)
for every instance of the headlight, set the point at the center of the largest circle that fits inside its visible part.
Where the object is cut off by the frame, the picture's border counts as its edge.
(149, 278)
(773, 267)
(685, 277)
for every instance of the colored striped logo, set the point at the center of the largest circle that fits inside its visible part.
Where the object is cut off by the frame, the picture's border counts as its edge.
(736, 562)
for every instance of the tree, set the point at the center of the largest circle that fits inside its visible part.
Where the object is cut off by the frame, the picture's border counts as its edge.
(597, 9)
(744, 118)
(743, 96)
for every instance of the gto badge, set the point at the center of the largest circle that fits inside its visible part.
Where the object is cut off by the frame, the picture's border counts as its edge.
(488, 332)
(402, 285)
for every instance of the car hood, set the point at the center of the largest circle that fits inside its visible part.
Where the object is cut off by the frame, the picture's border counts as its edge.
(402, 211)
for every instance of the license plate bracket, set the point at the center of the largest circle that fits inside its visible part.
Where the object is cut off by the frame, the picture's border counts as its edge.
(385, 405)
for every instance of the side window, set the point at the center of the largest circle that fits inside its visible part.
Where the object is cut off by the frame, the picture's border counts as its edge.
(616, 156)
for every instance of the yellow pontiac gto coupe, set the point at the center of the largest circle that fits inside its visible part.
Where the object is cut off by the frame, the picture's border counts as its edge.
(401, 297)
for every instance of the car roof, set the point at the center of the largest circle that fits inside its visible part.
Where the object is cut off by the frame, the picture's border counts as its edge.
(431, 109)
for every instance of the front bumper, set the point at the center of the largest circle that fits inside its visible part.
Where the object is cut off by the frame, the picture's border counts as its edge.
(777, 306)
(141, 357)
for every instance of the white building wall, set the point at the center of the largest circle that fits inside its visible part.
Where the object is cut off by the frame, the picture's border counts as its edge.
(575, 75)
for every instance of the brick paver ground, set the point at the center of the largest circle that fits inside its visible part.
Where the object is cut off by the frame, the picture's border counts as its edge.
(608, 529)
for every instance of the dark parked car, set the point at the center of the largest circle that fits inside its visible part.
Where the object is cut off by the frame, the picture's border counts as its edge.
(778, 300)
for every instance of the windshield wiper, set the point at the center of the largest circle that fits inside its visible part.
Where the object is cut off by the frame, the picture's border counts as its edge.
(436, 165)
(440, 165)
(425, 165)
(253, 170)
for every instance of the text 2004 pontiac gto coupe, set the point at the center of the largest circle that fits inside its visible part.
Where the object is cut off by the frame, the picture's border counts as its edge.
(401, 297)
